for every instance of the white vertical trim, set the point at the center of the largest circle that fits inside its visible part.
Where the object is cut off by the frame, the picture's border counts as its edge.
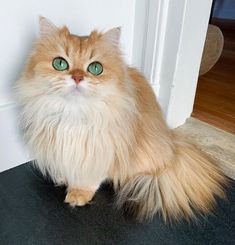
(173, 32)
(140, 30)
(155, 37)
(174, 45)
(191, 43)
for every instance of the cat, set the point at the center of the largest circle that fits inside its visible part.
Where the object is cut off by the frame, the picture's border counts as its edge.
(88, 117)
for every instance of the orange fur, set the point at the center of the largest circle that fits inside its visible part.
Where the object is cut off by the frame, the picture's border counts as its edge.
(111, 128)
(78, 197)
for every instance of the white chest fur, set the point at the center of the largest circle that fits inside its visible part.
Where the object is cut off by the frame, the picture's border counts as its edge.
(76, 143)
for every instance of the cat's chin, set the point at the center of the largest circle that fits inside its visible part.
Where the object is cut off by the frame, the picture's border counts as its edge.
(75, 94)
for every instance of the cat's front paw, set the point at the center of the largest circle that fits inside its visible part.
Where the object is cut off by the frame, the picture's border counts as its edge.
(78, 197)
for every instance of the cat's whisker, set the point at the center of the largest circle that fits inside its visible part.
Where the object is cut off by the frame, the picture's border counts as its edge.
(58, 86)
(58, 83)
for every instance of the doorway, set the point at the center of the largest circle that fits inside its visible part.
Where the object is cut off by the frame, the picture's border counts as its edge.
(215, 94)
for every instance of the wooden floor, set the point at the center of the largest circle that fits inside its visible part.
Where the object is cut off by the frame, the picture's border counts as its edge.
(215, 96)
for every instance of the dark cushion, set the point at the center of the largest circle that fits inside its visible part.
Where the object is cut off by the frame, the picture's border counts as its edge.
(32, 212)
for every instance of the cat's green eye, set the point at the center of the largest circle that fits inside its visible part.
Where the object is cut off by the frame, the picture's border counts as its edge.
(60, 64)
(95, 68)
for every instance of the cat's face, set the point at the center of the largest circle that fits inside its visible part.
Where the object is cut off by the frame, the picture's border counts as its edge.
(72, 67)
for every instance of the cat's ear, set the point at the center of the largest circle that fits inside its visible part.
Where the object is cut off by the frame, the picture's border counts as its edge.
(47, 28)
(113, 36)
(65, 30)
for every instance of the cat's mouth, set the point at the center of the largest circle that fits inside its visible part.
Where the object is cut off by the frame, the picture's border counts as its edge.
(76, 89)
(74, 92)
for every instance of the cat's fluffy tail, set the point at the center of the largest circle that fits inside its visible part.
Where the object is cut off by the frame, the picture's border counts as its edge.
(190, 183)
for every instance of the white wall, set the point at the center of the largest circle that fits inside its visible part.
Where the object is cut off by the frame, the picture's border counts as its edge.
(19, 23)
(12, 150)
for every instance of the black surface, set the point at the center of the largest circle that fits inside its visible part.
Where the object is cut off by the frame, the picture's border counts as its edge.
(32, 212)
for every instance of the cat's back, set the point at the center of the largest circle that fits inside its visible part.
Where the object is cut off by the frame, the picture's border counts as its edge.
(145, 95)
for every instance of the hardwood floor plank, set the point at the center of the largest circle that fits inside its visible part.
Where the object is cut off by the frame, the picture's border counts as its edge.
(215, 96)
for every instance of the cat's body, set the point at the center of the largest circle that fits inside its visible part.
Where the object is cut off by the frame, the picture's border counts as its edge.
(85, 129)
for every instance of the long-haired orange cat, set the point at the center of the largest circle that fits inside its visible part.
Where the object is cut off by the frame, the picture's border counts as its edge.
(88, 117)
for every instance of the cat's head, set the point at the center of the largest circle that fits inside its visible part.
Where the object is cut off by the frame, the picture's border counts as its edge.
(69, 66)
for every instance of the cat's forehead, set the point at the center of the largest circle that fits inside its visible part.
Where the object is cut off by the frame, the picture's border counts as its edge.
(78, 50)
(81, 44)
(77, 41)
(79, 37)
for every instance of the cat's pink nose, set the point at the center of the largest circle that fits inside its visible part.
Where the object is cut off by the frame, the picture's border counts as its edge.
(77, 78)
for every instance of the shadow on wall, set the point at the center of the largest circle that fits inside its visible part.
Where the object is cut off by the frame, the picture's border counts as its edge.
(30, 39)
(16, 43)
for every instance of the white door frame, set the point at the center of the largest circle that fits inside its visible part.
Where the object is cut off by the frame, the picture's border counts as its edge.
(175, 37)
